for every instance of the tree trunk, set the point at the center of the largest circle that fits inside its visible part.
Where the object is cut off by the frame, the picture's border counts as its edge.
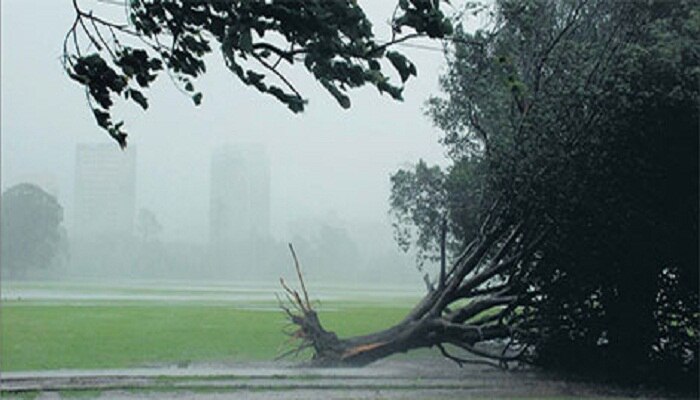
(480, 300)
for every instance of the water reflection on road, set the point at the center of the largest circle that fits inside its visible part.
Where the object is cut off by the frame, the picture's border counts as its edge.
(426, 378)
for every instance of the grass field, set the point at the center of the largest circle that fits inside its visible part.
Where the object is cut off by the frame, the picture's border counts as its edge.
(56, 334)
(48, 326)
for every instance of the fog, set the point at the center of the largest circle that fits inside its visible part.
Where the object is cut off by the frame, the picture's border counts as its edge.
(327, 169)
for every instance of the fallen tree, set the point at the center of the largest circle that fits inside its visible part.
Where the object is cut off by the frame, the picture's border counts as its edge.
(481, 299)
(589, 261)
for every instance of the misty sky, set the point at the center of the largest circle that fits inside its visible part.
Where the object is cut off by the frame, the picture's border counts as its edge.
(325, 161)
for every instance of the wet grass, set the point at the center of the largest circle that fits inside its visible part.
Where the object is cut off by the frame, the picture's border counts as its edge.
(37, 336)
(29, 395)
(80, 394)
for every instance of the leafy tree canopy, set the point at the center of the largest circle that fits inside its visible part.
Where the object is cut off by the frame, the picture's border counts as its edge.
(31, 229)
(582, 115)
(333, 40)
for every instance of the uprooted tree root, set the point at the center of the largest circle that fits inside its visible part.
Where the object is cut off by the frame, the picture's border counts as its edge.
(481, 300)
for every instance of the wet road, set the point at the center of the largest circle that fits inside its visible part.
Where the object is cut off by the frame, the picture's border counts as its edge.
(387, 379)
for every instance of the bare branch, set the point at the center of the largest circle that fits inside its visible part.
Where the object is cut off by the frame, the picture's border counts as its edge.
(461, 361)
(301, 278)
(294, 294)
(486, 354)
(476, 307)
(293, 352)
(443, 238)
(287, 55)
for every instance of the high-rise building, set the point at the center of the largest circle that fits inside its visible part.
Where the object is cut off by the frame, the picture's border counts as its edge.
(239, 204)
(104, 191)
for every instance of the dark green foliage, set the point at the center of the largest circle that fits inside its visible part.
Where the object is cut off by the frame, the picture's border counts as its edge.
(422, 197)
(31, 230)
(402, 65)
(333, 40)
(419, 205)
(585, 114)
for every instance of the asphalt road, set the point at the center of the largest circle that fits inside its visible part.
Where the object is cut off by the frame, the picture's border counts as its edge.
(387, 379)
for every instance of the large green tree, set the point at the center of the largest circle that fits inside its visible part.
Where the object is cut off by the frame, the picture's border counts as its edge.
(31, 230)
(584, 114)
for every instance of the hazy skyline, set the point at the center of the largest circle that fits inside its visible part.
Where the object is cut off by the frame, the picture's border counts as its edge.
(325, 161)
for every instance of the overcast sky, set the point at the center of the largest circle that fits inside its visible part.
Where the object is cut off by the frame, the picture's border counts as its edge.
(324, 161)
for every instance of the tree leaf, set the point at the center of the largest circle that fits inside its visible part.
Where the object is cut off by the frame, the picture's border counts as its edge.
(197, 98)
(404, 67)
(139, 98)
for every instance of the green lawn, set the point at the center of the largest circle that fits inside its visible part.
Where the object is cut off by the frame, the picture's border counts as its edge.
(39, 336)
